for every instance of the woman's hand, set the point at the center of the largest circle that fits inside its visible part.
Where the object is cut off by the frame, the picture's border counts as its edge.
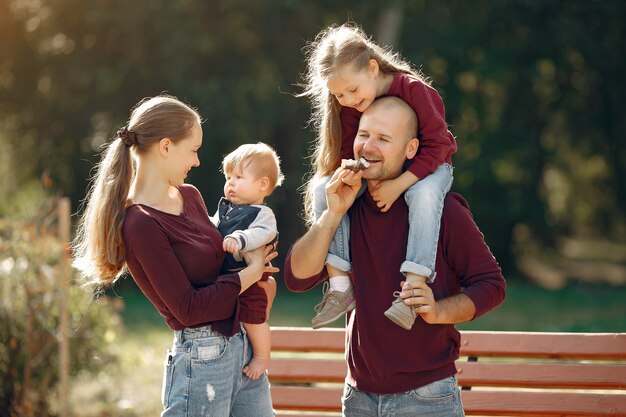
(259, 257)
(258, 265)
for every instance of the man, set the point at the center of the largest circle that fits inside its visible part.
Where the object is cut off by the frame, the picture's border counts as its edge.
(392, 371)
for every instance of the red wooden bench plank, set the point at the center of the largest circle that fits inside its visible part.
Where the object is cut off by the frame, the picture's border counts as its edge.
(306, 414)
(488, 403)
(607, 346)
(542, 375)
(523, 375)
(306, 398)
(302, 339)
(493, 403)
(307, 370)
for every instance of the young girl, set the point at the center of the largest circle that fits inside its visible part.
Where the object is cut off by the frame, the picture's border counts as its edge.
(140, 214)
(346, 73)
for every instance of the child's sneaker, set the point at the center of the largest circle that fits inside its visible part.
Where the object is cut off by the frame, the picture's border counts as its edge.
(334, 305)
(400, 313)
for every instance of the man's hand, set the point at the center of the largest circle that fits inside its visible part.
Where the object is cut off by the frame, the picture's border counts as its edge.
(420, 295)
(231, 245)
(457, 308)
(342, 189)
(385, 192)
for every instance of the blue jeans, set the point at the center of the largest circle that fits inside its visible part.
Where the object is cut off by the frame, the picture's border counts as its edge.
(203, 377)
(439, 399)
(425, 202)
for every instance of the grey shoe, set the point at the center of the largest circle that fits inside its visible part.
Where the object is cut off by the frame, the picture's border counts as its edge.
(334, 305)
(400, 313)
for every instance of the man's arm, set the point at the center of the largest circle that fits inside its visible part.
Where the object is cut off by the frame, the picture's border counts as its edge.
(479, 276)
(308, 255)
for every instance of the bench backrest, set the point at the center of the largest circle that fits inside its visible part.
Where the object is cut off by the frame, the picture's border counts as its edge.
(502, 373)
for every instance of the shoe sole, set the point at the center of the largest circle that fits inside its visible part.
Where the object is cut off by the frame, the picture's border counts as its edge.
(324, 323)
(399, 320)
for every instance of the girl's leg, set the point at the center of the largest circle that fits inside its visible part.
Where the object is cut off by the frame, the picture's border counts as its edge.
(338, 294)
(260, 339)
(425, 201)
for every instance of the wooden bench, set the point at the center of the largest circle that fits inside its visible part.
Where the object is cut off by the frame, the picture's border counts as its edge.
(501, 373)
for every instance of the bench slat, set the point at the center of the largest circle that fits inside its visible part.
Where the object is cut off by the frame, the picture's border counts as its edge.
(508, 403)
(597, 346)
(301, 339)
(306, 398)
(487, 403)
(538, 375)
(520, 375)
(307, 370)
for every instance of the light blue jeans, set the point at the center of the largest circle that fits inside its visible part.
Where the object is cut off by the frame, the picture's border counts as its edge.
(425, 201)
(203, 377)
(439, 399)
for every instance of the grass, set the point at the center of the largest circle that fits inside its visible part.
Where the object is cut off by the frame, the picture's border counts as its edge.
(131, 387)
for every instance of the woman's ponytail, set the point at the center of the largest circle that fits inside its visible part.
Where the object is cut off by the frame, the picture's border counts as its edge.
(98, 247)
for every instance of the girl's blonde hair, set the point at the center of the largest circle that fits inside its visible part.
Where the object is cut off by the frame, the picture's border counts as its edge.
(260, 158)
(98, 248)
(332, 49)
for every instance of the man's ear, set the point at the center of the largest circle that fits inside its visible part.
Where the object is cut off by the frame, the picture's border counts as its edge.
(164, 146)
(412, 147)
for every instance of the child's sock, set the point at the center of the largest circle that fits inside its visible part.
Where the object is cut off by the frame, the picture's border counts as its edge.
(339, 283)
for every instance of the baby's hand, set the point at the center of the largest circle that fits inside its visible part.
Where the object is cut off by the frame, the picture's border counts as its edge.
(231, 245)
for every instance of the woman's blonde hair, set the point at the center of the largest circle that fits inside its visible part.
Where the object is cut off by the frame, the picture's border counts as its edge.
(332, 49)
(98, 248)
(260, 158)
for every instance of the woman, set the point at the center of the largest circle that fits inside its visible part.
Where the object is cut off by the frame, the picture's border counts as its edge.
(139, 213)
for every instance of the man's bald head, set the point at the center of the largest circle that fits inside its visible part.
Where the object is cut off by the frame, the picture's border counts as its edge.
(386, 138)
(397, 105)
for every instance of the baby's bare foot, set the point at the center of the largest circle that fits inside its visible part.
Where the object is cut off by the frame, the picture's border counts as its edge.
(255, 368)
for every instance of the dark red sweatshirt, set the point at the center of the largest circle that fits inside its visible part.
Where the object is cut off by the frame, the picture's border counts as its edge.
(382, 357)
(175, 261)
(437, 144)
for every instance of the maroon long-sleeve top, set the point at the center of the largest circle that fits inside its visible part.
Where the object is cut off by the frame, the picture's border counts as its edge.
(382, 357)
(176, 259)
(437, 144)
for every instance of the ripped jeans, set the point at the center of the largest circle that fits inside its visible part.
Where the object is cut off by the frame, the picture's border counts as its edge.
(203, 377)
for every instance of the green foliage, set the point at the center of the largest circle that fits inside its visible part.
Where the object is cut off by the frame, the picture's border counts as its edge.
(532, 91)
(30, 262)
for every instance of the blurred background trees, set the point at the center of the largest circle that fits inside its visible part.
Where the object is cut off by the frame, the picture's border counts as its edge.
(532, 90)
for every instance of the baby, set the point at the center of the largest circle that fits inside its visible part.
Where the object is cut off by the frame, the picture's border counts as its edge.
(252, 173)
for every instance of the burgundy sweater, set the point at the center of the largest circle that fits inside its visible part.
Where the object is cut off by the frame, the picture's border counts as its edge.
(384, 358)
(175, 260)
(437, 144)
